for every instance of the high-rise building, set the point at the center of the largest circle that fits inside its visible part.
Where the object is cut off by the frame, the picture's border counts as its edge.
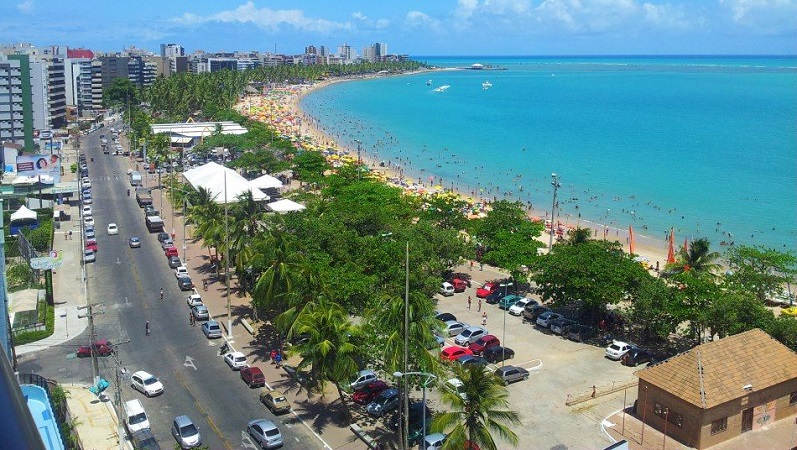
(380, 50)
(345, 53)
(16, 108)
(171, 51)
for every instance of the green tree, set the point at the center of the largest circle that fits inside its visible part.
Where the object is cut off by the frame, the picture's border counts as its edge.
(310, 166)
(578, 236)
(760, 270)
(479, 414)
(697, 295)
(697, 258)
(121, 93)
(656, 310)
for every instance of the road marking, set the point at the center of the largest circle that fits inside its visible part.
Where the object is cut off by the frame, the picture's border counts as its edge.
(246, 441)
(189, 362)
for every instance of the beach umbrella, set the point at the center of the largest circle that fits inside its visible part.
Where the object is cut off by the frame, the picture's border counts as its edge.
(631, 239)
(670, 249)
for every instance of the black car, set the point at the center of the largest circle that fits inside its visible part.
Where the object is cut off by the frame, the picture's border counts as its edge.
(174, 262)
(581, 333)
(495, 297)
(498, 353)
(445, 317)
(185, 283)
(637, 356)
(561, 326)
(415, 423)
(162, 235)
(530, 314)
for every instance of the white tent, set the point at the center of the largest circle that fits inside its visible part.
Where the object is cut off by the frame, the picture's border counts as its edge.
(285, 205)
(23, 213)
(266, 182)
(225, 184)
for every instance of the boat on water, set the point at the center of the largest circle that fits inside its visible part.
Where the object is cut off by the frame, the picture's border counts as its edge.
(486, 85)
(428, 82)
(442, 88)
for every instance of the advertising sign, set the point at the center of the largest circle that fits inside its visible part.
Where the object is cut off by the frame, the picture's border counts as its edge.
(45, 165)
(52, 261)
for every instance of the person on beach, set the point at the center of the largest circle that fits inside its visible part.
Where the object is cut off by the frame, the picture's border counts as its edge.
(469, 300)
(480, 305)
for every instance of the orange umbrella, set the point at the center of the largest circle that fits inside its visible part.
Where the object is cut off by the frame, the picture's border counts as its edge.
(670, 249)
(631, 240)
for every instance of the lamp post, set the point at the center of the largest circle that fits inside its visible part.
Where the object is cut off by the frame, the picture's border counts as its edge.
(555, 183)
(359, 160)
(503, 338)
(425, 384)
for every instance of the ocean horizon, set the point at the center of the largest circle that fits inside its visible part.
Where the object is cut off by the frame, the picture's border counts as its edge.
(706, 145)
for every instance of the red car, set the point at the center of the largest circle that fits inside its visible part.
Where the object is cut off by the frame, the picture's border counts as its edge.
(483, 343)
(459, 285)
(253, 377)
(171, 251)
(452, 353)
(365, 395)
(101, 347)
(487, 289)
(91, 244)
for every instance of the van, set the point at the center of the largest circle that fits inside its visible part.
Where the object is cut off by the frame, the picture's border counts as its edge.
(135, 417)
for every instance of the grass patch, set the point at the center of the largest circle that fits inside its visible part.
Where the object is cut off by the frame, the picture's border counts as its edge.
(33, 336)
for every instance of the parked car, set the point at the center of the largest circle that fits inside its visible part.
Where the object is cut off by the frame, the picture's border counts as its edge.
(462, 276)
(367, 393)
(91, 244)
(617, 349)
(445, 317)
(89, 256)
(363, 378)
(521, 304)
(433, 441)
(253, 377)
(415, 423)
(453, 328)
(88, 221)
(200, 312)
(452, 353)
(545, 319)
(100, 347)
(174, 262)
(510, 374)
(185, 283)
(560, 326)
(185, 432)
(211, 329)
(508, 301)
(171, 251)
(469, 335)
(459, 285)
(162, 235)
(637, 356)
(486, 289)
(181, 271)
(446, 289)
(265, 433)
(90, 233)
(456, 386)
(581, 333)
(146, 383)
(495, 297)
(87, 211)
(194, 300)
(166, 243)
(483, 343)
(236, 360)
(134, 242)
(472, 359)
(386, 401)
(497, 354)
(275, 401)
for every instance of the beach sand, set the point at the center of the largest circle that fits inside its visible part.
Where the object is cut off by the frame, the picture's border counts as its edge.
(285, 114)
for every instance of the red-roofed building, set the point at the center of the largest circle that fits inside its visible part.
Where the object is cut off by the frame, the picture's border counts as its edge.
(79, 53)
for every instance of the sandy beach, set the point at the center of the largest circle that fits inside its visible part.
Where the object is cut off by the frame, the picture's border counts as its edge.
(280, 108)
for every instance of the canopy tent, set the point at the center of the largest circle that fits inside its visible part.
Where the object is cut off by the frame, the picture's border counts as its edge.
(266, 182)
(224, 184)
(284, 206)
(23, 213)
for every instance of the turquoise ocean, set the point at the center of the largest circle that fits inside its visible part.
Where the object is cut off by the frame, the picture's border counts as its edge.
(705, 145)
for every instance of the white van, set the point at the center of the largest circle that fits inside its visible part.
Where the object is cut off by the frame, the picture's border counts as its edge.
(135, 417)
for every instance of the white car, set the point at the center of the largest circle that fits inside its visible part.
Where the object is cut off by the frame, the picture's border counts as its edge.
(194, 300)
(87, 211)
(89, 256)
(617, 349)
(85, 183)
(236, 360)
(112, 229)
(519, 305)
(146, 383)
(88, 221)
(181, 271)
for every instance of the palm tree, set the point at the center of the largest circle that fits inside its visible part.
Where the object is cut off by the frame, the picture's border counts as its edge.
(328, 348)
(697, 258)
(579, 236)
(478, 413)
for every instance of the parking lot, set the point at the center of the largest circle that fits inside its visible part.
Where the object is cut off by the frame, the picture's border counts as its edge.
(558, 368)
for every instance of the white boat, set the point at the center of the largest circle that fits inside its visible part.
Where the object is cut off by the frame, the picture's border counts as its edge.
(429, 82)
(442, 88)
(486, 85)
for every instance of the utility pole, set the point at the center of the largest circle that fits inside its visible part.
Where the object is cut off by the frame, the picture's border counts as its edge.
(92, 336)
(118, 403)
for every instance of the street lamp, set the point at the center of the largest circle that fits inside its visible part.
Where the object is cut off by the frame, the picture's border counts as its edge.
(503, 338)
(359, 160)
(555, 183)
(425, 384)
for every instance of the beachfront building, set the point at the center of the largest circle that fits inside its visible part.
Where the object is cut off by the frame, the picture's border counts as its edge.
(720, 390)
(186, 135)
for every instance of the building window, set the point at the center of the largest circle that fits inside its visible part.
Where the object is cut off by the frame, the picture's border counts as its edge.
(668, 414)
(793, 398)
(719, 425)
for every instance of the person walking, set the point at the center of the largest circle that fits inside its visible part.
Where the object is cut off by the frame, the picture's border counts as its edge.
(469, 300)
(278, 359)
(484, 319)
(480, 305)
(161, 293)
(147, 328)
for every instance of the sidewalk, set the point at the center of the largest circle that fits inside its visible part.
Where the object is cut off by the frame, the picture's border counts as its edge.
(97, 424)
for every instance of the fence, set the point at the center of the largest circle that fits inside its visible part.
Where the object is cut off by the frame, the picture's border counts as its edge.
(598, 391)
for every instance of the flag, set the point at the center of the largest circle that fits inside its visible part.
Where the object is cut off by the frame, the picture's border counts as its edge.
(670, 249)
(631, 243)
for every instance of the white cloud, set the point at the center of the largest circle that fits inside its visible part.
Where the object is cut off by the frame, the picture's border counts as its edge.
(269, 19)
(763, 16)
(382, 24)
(26, 6)
(416, 19)
(359, 16)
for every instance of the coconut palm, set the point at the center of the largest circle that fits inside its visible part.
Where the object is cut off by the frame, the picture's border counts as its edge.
(697, 258)
(579, 236)
(478, 413)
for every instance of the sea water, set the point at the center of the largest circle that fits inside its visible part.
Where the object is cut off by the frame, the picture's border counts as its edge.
(704, 145)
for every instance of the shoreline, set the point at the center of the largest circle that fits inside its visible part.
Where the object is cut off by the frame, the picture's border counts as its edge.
(299, 124)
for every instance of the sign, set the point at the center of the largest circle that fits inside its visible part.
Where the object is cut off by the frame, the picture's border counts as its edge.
(53, 261)
(34, 165)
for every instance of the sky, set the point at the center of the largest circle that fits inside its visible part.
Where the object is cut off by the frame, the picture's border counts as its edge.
(413, 27)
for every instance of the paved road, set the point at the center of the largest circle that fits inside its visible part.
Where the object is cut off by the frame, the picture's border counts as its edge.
(127, 283)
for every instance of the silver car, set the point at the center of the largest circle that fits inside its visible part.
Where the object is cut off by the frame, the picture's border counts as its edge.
(453, 328)
(200, 312)
(265, 433)
(185, 432)
(510, 374)
(469, 335)
(211, 329)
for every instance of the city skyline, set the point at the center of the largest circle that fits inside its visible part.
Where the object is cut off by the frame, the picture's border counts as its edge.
(414, 27)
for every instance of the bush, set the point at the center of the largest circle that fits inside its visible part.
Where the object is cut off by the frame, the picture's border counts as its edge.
(19, 276)
(33, 336)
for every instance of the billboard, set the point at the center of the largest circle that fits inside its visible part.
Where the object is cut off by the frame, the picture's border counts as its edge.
(45, 165)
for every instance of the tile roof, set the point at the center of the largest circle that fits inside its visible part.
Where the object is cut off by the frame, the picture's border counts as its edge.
(752, 357)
